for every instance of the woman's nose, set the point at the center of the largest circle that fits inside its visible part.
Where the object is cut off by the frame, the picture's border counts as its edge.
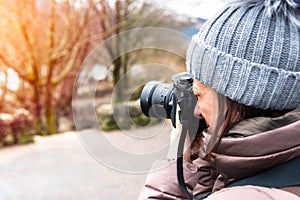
(197, 112)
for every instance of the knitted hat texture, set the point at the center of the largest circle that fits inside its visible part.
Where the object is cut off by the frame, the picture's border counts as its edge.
(250, 52)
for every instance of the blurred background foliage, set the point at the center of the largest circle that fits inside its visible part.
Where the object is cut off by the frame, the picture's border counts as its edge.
(42, 46)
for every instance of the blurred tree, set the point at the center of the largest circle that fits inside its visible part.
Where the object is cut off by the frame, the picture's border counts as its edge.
(44, 41)
(114, 17)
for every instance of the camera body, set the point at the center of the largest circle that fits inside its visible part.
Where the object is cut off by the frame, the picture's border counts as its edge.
(160, 100)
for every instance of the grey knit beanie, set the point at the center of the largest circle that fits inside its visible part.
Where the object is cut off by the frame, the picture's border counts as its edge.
(250, 52)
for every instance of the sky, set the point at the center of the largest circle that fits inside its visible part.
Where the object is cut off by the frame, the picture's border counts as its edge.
(194, 8)
(12, 79)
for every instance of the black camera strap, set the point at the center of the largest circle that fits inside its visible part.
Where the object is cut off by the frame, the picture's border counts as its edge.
(186, 119)
(180, 175)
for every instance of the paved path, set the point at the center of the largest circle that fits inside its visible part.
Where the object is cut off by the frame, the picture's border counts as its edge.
(59, 167)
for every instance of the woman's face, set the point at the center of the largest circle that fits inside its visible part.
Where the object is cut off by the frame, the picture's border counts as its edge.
(204, 104)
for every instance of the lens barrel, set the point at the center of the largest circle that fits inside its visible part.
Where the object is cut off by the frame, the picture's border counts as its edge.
(156, 99)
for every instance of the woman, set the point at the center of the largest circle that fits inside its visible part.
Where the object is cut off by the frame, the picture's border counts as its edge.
(246, 67)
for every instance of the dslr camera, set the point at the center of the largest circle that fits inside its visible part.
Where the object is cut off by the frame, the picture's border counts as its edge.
(160, 100)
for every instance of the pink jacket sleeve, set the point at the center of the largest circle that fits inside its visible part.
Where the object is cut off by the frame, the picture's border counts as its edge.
(163, 184)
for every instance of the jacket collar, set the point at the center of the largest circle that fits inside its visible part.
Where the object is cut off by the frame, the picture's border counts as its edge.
(262, 124)
(257, 144)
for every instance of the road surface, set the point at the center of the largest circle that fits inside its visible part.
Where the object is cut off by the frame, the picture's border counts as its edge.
(59, 167)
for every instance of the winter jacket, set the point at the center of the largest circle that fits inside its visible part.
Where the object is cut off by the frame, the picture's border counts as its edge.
(250, 147)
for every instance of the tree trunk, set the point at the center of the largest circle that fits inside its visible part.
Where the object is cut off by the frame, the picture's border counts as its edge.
(37, 111)
(116, 70)
(51, 125)
(116, 77)
(50, 120)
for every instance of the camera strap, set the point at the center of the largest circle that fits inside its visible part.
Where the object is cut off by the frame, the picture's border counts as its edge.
(180, 175)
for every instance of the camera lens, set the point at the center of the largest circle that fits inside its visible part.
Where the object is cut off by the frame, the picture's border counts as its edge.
(156, 99)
